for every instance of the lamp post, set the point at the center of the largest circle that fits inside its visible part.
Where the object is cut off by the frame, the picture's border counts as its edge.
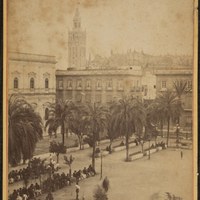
(50, 178)
(149, 147)
(101, 166)
(177, 134)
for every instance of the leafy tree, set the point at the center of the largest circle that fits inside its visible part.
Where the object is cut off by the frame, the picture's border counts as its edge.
(167, 104)
(129, 116)
(100, 194)
(37, 167)
(69, 163)
(57, 148)
(96, 118)
(89, 139)
(24, 129)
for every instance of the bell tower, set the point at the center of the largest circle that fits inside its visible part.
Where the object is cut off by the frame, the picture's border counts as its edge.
(77, 44)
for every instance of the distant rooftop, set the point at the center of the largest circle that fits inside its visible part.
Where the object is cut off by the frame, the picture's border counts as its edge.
(137, 72)
(18, 56)
(173, 71)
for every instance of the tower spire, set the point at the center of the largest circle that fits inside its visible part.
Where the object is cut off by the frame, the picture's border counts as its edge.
(77, 18)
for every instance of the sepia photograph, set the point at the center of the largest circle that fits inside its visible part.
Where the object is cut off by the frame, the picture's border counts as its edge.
(100, 100)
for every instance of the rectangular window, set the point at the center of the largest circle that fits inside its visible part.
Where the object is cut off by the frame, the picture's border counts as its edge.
(79, 84)
(88, 85)
(109, 85)
(99, 84)
(164, 84)
(120, 85)
(60, 84)
(134, 89)
(144, 90)
(16, 83)
(69, 84)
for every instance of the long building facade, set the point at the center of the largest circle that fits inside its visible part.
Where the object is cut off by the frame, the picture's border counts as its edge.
(165, 79)
(100, 86)
(33, 77)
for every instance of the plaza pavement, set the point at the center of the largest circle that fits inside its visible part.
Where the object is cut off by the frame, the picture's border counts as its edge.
(140, 178)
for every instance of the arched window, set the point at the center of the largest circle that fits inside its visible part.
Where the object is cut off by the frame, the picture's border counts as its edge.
(46, 83)
(32, 82)
(16, 83)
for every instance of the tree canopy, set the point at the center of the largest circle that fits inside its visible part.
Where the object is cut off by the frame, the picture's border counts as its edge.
(129, 117)
(24, 129)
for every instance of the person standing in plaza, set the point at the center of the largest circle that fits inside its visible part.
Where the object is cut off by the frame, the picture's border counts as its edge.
(77, 190)
(181, 154)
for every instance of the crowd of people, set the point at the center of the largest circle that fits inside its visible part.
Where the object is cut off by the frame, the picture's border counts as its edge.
(85, 173)
(159, 144)
(54, 182)
(23, 193)
(35, 167)
(17, 175)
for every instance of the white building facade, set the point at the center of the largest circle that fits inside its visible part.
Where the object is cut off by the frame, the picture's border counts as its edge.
(33, 77)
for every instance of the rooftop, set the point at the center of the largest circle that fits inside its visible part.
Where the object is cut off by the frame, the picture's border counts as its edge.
(99, 72)
(18, 56)
(174, 71)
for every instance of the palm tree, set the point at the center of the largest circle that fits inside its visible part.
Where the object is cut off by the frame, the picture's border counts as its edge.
(63, 112)
(181, 89)
(167, 104)
(24, 129)
(156, 115)
(129, 116)
(50, 123)
(78, 123)
(112, 131)
(96, 117)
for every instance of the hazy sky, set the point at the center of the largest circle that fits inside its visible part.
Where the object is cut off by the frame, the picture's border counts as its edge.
(154, 26)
